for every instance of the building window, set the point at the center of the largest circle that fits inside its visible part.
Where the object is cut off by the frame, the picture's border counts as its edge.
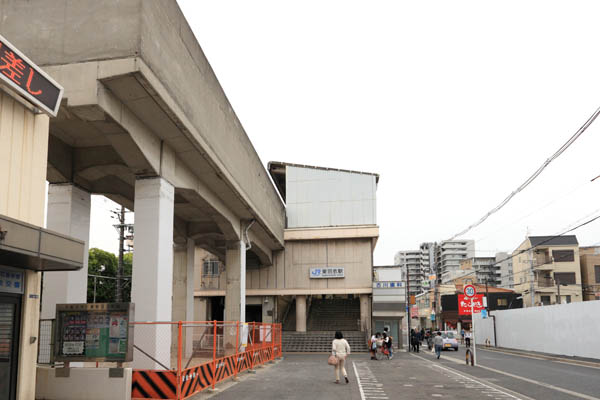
(563, 255)
(211, 268)
(502, 302)
(564, 278)
(545, 300)
(597, 273)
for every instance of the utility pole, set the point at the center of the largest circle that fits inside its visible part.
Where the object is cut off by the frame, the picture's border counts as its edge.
(487, 299)
(408, 305)
(558, 287)
(119, 286)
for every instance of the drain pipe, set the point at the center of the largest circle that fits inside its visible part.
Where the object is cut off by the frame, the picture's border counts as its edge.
(495, 339)
(245, 235)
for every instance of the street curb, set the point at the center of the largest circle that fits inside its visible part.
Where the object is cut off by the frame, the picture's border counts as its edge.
(593, 364)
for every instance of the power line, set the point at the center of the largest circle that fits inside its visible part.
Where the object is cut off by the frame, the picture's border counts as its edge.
(528, 181)
(550, 238)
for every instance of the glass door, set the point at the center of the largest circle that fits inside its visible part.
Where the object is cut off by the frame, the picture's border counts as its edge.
(9, 342)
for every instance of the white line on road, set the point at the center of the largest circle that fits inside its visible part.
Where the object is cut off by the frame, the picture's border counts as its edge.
(372, 389)
(470, 379)
(543, 384)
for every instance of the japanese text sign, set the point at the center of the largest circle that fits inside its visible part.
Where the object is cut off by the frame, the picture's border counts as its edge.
(11, 280)
(388, 285)
(464, 304)
(327, 272)
(28, 79)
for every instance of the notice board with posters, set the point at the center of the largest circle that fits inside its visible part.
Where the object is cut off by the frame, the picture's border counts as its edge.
(94, 332)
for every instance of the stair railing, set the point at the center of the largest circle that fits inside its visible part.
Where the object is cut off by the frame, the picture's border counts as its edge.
(286, 312)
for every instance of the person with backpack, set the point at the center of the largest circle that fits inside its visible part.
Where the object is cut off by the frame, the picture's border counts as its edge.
(373, 345)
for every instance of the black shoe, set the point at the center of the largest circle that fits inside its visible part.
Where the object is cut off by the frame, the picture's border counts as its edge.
(346, 378)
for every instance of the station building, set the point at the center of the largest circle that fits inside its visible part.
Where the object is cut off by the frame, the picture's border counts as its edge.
(322, 279)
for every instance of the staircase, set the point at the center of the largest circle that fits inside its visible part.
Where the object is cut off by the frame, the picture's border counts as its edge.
(289, 323)
(320, 341)
(326, 316)
(334, 315)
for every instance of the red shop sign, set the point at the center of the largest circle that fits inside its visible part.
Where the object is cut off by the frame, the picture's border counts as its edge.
(464, 304)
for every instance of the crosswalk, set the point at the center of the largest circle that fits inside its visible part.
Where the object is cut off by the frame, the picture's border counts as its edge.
(369, 386)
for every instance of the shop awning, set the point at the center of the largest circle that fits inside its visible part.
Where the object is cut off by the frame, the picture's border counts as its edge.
(28, 246)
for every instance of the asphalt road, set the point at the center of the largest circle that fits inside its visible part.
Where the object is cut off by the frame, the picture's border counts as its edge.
(530, 375)
(307, 376)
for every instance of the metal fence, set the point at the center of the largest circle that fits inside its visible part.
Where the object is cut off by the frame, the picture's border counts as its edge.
(184, 358)
(46, 342)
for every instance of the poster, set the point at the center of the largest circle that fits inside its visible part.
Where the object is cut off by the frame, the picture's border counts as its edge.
(95, 332)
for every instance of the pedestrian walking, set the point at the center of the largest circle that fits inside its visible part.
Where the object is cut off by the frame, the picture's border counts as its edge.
(462, 335)
(414, 340)
(340, 349)
(373, 345)
(438, 342)
(468, 338)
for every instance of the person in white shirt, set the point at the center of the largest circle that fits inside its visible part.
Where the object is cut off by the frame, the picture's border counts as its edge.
(340, 349)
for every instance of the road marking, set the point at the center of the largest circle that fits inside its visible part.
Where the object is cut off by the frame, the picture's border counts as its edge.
(367, 383)
(471, 380)
(546, 385)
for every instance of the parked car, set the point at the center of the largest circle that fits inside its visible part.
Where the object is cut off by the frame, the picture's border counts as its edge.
(450, 340)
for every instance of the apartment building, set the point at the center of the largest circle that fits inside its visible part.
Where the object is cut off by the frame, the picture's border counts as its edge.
(505, 263)
(410, 260)
(547, 270)
(480, 270)
(589, 258)
(449, 254)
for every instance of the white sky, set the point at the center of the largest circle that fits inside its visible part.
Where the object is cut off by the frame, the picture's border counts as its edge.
(453, 103)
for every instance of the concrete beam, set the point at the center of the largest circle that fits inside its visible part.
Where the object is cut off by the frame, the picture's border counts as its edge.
(264, 253)
(165, 163)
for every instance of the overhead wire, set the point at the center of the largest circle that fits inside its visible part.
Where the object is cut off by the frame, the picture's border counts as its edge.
(531, 178)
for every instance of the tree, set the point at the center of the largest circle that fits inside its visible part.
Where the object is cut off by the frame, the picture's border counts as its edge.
(103, 263)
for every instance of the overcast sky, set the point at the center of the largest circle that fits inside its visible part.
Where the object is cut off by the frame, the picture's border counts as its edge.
(453, 103)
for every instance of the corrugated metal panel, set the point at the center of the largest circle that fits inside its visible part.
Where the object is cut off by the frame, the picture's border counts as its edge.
(389, 306)
(388, 299)
(329, 198)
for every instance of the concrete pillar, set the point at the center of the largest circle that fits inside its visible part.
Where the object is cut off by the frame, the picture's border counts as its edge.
(364, 313)
(69, 214)
(183, 291)
(235, 271)
(152, 281)
(301, 313)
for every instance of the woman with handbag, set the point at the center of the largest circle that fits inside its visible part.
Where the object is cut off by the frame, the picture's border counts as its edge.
(340, 349)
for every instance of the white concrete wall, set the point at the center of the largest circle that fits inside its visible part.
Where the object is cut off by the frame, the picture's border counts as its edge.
(82, 384)
(317, 197)
(565, 329)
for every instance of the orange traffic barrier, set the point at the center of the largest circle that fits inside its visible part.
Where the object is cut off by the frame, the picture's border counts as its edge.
(205, 355)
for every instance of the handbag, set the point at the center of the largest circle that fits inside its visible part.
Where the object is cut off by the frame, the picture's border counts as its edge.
(332, 360)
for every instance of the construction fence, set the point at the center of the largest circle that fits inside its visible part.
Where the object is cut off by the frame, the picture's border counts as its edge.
(181, 359)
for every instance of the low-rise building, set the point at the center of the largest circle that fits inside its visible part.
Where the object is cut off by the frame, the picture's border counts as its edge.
(389, 300)
(547, 270)
(589, 258)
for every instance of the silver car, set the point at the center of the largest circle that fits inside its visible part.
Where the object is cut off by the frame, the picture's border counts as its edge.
(449, 340)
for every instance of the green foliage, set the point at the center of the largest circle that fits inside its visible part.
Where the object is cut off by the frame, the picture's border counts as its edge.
(105, 288)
